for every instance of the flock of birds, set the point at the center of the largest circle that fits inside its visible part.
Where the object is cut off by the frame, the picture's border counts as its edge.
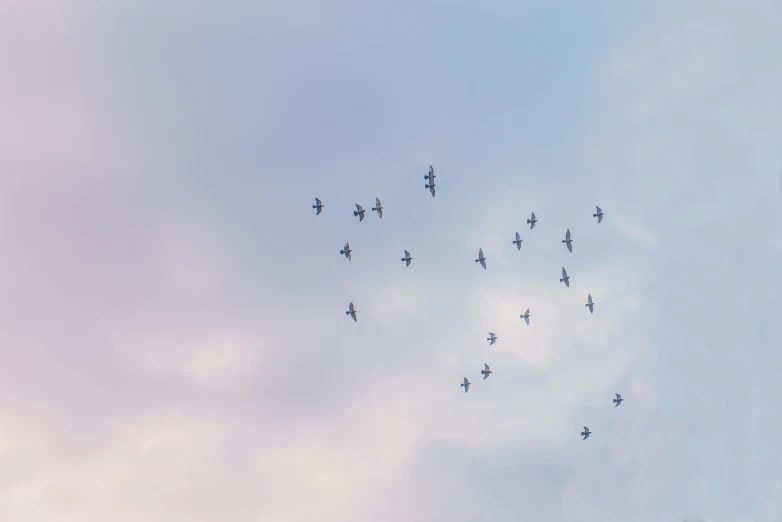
(531, 221)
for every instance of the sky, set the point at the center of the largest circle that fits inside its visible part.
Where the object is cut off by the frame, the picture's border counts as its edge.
(174, 343)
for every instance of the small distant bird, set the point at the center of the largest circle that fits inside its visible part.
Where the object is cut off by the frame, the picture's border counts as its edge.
(481, 259)
(352, 312)
(346, 252)
(599, 214)
(565, 278)
(492, 338)
(359, 212)
(618, 400)
(318, 205)
(590, 304)
(466, 385)
(378, 208)
(532, 221)
(407, 258)
(586, 433)
(526, 316)
(568, 241)
(486, 371)
(518, 241)
(430, 177)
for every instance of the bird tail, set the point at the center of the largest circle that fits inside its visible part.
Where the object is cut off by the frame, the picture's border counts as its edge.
(347, 313)
(355, 213)
(342, 252)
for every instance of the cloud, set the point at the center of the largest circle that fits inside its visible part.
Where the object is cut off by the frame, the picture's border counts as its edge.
(176, 346)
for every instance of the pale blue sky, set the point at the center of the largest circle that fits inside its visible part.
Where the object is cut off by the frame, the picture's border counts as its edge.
(172, 311)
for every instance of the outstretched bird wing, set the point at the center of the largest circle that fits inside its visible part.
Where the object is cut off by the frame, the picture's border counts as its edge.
(564, 273)
(567, 235)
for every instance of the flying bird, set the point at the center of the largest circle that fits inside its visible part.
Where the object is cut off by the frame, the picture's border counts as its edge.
(352, 312)
(486, 371)
(466, 385)
(568, 241)
(618, 400)
(346, 252)
(599, 214)
(318, 205)
(526, 316)
(590, 304)
(532, 220)
(378, 208)
(407, 258)
(481, 259)
(359, 212)
(586, 433)
(518, 241)
(565, 278)
(492, 338)
(430, 177)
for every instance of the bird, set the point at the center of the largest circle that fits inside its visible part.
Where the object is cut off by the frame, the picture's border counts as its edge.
(599, 214)
(565, 278)
(532, 221)
(486, 371)
(586, 433)
(618, 400)
(526, 316)
(590, 304)
(378, 208)
(568, 241)
(430, 177)
(492, 338)
(346, 252)
(359, 212)
(518, 241)
(352, 312)
(407, 258)
(481, 259)
(466, 385)
(318, 205)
